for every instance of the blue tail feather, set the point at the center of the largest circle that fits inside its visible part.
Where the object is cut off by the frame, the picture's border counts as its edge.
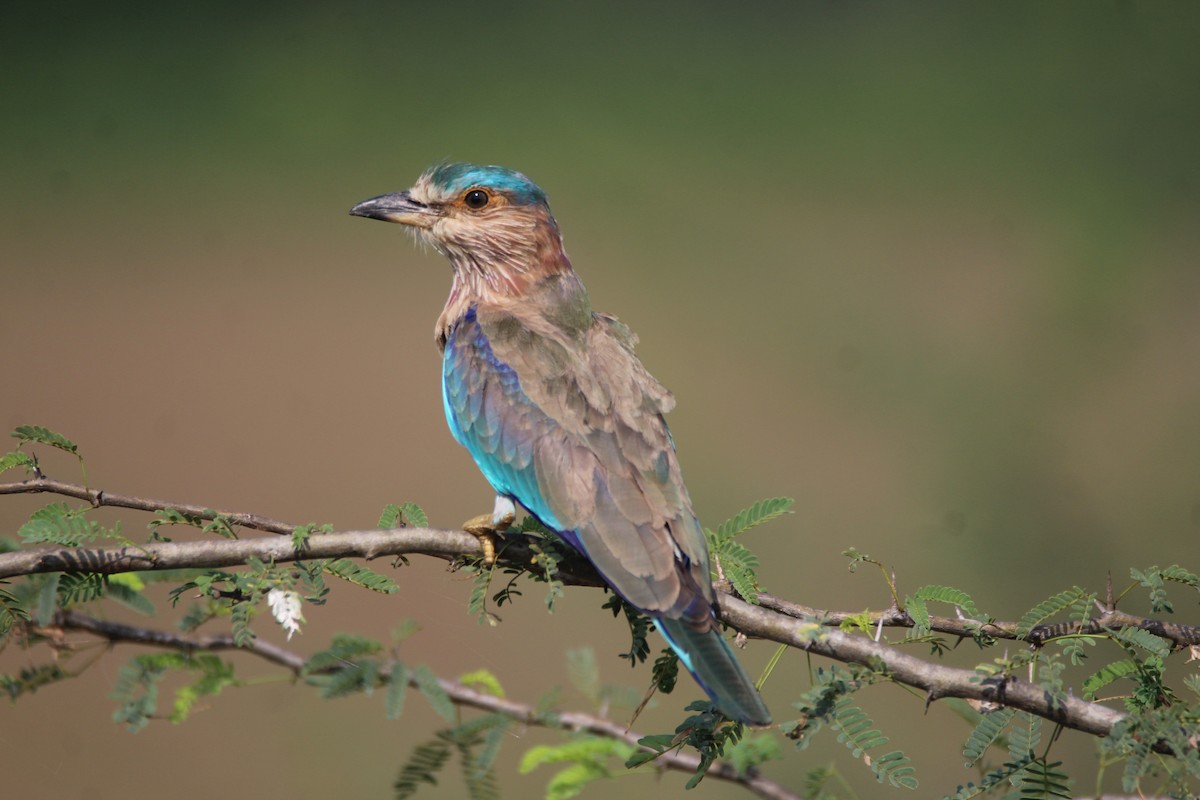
(712, 663)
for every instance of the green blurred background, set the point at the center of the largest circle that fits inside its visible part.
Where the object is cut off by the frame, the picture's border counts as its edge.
(928, 268)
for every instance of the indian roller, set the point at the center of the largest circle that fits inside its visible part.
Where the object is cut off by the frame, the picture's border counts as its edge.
(559, 413)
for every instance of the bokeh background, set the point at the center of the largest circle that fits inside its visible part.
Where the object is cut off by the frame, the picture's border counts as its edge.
(928, 268)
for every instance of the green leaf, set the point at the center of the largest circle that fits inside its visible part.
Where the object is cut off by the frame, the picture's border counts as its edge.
(360, 675)
(173, 516)
(132, 580)
(658, 742)
(751, 752)
(856, 732)
(757, 514)
(393, 702)
(919, 612)
(390, 517)
(639, 629)
(571, 781)
(587, 759)
(1047, 609)
(665, 672)
(582, 748)
(583, 672)
(136, 688)
(344, 649)
(427, 684)
(950, 596)
(220, 525)
(1010, 771)
(215, 676)
(40, 435)
(357, 574)
(479, 779)
(1106, 675)
(128, 597)
(413, 516)
(196, 615)
(1024, 737)
(545, 556)
(477, 601)
(13, 610)
(494, 737)
(989, 728)
(17, 459)
(1044, 781)
(635, 760)
(300, 535)
(739, 565)
(1145, 640)
(32, 678)
(531, 524)
(483, 681)
(77, 588)
(422, 767)
(239, 619)
(407, 515)
(59, 524)
(1178, 574)
(816, 781)
(47, 599)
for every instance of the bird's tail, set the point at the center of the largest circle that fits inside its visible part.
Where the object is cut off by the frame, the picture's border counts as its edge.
(712, 663)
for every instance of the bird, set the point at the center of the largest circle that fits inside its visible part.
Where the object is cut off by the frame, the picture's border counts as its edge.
(559, 413)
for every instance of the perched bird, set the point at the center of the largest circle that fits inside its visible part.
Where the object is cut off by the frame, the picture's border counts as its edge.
(558, 412)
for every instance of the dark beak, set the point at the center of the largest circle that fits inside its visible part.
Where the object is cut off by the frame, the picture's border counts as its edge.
(396, 207)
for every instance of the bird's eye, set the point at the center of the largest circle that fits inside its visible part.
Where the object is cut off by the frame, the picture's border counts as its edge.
(476, 199)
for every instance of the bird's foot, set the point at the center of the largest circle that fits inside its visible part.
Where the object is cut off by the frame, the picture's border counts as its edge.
(486, 526)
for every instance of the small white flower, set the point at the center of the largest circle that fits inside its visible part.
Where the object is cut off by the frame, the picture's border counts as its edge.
(285, 606)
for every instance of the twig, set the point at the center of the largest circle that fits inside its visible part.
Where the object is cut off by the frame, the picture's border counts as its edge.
(460, 694)
(1179, 635)
(99, 497)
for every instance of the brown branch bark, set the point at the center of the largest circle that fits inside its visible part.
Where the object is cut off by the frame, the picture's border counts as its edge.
(99, 497)
(936, 680)
(210, 553)
(1108, 618)
(460, 694)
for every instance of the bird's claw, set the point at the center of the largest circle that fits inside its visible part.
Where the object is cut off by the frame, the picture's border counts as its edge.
(484, 528)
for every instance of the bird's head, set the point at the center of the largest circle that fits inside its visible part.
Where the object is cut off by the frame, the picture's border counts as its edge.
(492, 223)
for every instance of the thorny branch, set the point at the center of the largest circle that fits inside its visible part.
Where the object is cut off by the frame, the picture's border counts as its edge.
(1109, 618)
(460, 694)
(448, 545)
(775, 619)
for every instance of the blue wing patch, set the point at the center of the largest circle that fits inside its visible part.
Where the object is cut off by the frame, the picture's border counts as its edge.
(490, 415)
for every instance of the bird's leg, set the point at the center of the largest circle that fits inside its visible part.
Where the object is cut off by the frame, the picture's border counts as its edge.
(486, 526)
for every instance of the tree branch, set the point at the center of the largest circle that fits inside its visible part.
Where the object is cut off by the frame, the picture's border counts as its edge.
(1109, 618)
(775, 619)
(210, 553)
(936, 680)
(99, 497)
(460, 694)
